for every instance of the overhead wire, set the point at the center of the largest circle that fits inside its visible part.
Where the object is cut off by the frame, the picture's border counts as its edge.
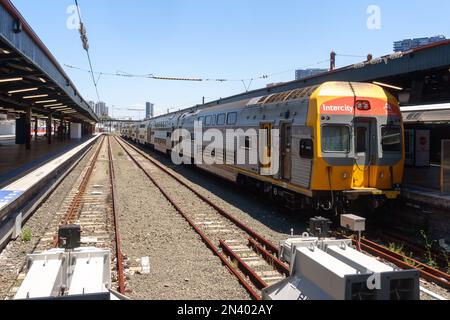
(247, 82)
(85, 42)
(350, 55)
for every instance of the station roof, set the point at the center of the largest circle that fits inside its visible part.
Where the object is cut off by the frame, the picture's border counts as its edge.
(31, 76)
(397, 69)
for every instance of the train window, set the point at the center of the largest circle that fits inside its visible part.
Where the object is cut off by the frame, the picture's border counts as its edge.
(306, 149)
(336, 138)
(221, 119)
(361, 139)
(232, 118)
(247, 144)
(208, 120)
(201, 119)
(391, 139)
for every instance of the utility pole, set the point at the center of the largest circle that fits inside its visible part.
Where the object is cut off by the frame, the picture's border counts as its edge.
(332, 60)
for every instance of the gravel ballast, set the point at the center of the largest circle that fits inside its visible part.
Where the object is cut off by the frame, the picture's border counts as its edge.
(181, 266)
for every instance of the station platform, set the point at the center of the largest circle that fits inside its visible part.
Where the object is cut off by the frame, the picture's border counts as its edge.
(16, 161)
(431, 197)
(423, 185)
(17, 198)
(427, 177)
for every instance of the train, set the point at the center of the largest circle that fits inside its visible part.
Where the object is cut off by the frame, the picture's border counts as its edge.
(330, 145)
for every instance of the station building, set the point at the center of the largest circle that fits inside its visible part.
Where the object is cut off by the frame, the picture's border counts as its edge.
(41, 111)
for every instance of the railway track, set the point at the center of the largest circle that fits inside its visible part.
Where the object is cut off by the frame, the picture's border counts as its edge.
(247, 255)
(441, 258)
(428, 273)
(90, 204)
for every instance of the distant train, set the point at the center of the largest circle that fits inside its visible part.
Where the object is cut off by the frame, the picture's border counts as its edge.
(338, 142)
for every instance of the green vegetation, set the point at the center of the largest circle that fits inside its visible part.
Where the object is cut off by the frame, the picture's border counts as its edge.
(428, 247)
(396, 248)
(26, 235)
(400, 249)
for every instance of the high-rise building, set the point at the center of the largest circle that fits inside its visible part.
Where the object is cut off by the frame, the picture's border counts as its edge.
(149, 110)
(305, 73)
(408, 44)
(101, 109)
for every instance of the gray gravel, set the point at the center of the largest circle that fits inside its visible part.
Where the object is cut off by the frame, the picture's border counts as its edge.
(272, 221)
(182, 267)
(265, 217)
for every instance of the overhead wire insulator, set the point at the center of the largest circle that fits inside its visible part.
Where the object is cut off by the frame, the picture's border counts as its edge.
(84, 37)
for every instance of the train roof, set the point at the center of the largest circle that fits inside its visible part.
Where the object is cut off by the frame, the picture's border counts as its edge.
(330, 88)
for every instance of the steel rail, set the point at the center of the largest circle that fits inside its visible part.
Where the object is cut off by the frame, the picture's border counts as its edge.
(405, 262)
(270, 258)
(120, 269)
(401, 261)
(257, 281)
(205, 239)
(266, 243)
(440, 257)
(75, 204)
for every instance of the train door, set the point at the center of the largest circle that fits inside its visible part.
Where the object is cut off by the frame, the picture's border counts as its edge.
(266, 160)
(363, 153)
(286, 150)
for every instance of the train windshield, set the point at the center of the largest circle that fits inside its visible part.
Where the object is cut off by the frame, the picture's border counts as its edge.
(391, 139)
(336, 138)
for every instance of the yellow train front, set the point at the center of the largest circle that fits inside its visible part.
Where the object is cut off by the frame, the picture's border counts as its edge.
(359, 144)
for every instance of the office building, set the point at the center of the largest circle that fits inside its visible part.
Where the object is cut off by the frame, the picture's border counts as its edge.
(149, 110)
(101, 110)
(408, 44)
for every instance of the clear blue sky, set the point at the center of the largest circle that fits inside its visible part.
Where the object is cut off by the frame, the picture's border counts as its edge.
(231, 39)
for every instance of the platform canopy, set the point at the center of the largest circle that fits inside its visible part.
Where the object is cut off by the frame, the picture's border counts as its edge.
(30, 76)
(435, 113)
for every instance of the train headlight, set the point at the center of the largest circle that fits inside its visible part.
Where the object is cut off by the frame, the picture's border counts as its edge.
(363, 105)
(382, 175)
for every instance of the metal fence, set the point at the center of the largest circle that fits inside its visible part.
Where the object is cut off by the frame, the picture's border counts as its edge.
(445, 167)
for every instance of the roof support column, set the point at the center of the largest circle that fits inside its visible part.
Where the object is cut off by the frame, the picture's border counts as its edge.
(36, 128)
(60, 130)
(28, 128)
(49, 128)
